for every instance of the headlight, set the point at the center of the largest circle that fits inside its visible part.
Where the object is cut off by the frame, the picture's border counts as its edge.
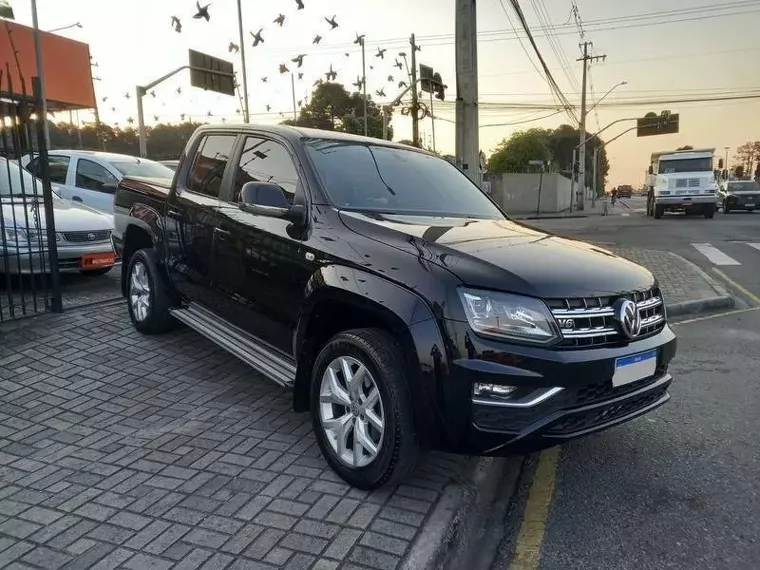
(509, 316)
(22, 235)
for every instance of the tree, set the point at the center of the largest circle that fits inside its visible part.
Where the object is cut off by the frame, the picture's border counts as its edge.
(514, 154)
(332, 108)
(747, 154)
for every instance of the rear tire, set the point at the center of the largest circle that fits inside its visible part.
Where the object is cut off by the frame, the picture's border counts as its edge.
(659, 210)
(377, 411)
(710, 212)
(726, 208)
(148, 295)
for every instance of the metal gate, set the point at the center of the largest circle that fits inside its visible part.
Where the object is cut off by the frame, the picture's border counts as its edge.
(29, 277)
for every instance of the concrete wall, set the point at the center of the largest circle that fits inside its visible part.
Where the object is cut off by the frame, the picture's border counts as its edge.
(518, 193)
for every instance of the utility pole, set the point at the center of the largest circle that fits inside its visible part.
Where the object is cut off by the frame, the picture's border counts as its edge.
(385, 122)
(594, 181)
(582, 151)
(246, 114)
(415, 100)
(364, 86)
(467, 143)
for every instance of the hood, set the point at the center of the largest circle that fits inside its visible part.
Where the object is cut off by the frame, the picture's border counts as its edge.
(506, 256)
(68, 215)
(743, 193)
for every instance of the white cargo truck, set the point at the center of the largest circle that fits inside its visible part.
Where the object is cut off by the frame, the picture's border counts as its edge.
(683, 181)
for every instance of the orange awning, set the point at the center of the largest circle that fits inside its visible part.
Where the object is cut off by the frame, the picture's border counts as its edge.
(68, 75)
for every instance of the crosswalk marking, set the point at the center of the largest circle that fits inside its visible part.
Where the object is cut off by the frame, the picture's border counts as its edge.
(755, 245)
(714, 254)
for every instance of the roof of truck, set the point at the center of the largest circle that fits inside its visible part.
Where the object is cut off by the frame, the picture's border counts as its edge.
(690, 153)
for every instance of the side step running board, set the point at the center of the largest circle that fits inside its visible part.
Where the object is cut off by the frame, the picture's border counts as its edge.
(257, 355)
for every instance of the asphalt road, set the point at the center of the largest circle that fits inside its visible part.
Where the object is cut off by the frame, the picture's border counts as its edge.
(676, 489)
(729, 234)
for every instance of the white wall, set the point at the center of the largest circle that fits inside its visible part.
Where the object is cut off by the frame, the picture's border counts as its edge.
(518, 193)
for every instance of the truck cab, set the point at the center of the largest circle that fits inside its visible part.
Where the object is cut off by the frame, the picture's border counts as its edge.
(682, 181)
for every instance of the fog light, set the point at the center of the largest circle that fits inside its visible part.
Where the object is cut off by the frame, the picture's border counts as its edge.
(493, 390)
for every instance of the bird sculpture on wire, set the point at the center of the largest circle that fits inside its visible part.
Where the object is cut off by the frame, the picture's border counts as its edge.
(153, 94)
(381, 53)
(127, 95)
(359, 39)
(233, 47)
(346, 54)
(257, 37)
(130, 120)
(390, 79)
(300, 75)
(333, 23)
(104, 99)
(380, 92)
(316, 39)
(358, 83)
(402, 84)
(398, 64)
(299, 3)
(264, 79)
(298, 60)
(284, 68)
(177, 24)
(202, 12)
(182, 117)
(179, 90)
(331, 75)
(269, 108)
(155, 118)
(279, 20)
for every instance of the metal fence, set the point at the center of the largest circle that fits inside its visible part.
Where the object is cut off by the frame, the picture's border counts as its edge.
(29, 273)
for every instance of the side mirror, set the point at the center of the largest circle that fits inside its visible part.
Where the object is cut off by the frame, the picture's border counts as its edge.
(267, 199)
(650, 170)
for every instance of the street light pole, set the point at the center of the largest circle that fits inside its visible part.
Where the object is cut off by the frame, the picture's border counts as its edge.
(725, 165)
(246, 114)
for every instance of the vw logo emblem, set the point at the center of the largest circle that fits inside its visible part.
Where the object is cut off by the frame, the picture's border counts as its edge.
(628, 317)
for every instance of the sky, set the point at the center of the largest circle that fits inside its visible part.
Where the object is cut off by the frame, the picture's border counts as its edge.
(674, 54)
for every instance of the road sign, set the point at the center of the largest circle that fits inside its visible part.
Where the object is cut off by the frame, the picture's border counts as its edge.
(211, 73)
(652, 124)
(426, 78)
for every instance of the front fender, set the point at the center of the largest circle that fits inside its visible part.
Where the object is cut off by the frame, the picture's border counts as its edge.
(410, 320)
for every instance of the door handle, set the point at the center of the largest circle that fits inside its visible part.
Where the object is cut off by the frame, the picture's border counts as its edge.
(222, 233)
(76, 199)
(172, 213)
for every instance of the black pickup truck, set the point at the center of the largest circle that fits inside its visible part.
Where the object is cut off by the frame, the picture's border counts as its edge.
(398, 302)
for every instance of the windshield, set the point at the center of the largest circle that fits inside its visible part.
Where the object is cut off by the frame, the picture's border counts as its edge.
(20, 182)
(747, 186)
(144, 168)
(686, 165)
(358, 176)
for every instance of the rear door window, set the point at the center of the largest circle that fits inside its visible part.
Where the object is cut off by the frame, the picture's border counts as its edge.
(209, 163)
(93, 176)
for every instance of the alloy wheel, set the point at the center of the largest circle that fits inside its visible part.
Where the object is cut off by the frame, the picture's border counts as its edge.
(351, 411)
(139, 291)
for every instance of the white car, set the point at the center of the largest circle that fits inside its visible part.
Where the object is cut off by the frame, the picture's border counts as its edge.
(91, 177)
(83, 235)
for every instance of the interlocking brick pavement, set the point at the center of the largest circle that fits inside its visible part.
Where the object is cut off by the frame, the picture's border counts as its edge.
(680, 280)
(124, 451)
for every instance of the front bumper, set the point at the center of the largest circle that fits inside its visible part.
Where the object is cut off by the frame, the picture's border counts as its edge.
(685, 201)
(741, 203)
(26, 261)
(586, 400)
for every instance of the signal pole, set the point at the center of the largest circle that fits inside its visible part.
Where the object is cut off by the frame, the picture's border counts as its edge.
(364, 86)
(415, 101)
(467, 143)
(582, 127)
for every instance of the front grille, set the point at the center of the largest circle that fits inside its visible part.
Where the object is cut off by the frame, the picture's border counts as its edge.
(87, 237)
(680, 182)
(590, 322)
(604, 414)
(694, 182)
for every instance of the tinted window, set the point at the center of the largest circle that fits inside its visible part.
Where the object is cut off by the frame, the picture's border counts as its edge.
(15, 180)
(686, 165)
(59, 166)
(210, 160)
(266, 161)
(369, 177)
(92, 176)
(142, 167)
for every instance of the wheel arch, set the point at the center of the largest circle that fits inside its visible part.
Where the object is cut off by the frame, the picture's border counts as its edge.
(341, 298)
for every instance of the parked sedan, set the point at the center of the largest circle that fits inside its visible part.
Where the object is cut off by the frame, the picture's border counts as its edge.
(83, 235)
(739, 195)
(90, 177)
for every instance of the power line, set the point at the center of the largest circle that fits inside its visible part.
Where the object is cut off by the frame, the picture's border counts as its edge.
(545, 22)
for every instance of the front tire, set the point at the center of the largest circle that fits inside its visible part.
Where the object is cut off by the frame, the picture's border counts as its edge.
(726, 208)
(361, 409)
(148, 298)
(710, 212)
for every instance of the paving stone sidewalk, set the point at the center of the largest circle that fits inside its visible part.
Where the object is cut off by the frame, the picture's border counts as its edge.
(683, 284)
(123, 451)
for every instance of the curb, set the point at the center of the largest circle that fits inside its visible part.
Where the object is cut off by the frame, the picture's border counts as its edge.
(461, 502)
(722, 300)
